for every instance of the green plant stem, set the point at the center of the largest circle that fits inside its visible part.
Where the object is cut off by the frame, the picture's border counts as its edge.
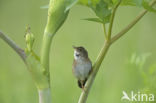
(129, 26)
(56, 17)
(57, 14)
(13, 45)
(47, 39)
(44, 95)
(112, 20)
(104, 29)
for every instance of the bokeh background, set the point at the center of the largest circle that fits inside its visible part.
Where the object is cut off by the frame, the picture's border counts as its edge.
(130, 64)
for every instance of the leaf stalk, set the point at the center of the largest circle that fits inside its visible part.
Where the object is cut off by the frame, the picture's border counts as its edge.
(112, 20)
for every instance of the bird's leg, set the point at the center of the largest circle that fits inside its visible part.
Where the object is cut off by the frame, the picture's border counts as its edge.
(82, 85)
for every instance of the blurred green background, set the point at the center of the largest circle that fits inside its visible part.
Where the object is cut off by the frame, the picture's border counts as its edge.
(129, 65)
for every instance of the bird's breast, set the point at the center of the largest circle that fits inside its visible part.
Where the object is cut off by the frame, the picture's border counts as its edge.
(81, 69)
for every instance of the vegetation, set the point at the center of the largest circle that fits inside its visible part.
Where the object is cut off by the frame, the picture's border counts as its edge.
(58, 10)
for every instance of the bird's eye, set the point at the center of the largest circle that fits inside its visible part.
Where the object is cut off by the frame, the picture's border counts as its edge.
(77, 54)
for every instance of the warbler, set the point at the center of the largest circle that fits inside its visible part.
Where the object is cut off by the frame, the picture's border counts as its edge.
(82, 66)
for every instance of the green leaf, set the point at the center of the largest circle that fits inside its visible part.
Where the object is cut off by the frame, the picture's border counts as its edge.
(94, 3)
(139, 59)
(110, 2)
(44, 7)
(148, 7)
(88, 2)
(94, 20)
(83, 2)
(101, 10)
(107, 19)
(152, 69)
(138, 2)
(70, 3)
(115, 1)
(98, 20)
(132, 2)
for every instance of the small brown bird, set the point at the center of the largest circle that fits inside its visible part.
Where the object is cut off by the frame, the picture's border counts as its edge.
(82, 65)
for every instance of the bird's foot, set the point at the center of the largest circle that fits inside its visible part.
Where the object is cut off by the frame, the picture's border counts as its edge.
(83, 89)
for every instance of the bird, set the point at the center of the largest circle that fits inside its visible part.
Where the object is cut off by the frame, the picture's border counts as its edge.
(82, 66)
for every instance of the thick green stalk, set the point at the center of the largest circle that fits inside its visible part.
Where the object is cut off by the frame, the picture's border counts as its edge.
(47, 39)
(56, 17)
(45, 96)
(39, 69)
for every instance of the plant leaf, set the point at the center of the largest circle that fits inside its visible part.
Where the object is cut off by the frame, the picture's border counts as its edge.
(94, 20)
(88, 2)
(83, 2)
(44, 7)
(69, 4)
(148, 7)
(132, 2)
(110, 2)
(101, 10)
(98, 20)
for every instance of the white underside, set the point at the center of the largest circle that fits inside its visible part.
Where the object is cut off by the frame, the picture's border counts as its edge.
(82, 69)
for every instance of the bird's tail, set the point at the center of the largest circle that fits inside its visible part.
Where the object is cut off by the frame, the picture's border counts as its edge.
(81, 83)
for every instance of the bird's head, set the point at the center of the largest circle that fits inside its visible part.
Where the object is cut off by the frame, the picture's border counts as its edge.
(80, 52)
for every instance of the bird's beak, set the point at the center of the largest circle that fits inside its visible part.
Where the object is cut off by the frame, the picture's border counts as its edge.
(74, 47)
